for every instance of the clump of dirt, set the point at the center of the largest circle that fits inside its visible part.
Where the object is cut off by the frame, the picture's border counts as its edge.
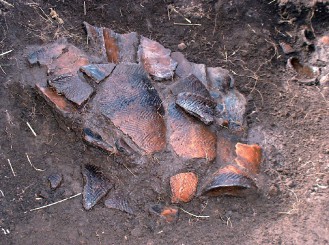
(288, 119)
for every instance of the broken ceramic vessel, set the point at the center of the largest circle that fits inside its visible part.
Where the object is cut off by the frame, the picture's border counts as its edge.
(134, 98)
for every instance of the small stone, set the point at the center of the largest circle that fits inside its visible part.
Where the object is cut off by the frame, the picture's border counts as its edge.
(181, 46)
(273, 191)
(43, 194)
(324, 40)
(286, 48)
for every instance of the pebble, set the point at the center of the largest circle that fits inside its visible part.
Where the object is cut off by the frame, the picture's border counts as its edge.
(273, 191)
(43, 194)
(324, 40)
(181, 46)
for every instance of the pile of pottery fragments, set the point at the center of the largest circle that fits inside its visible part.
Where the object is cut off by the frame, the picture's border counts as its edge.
(133, 98)
(308, 60)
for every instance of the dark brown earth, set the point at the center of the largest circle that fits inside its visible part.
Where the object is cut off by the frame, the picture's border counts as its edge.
(288, 119)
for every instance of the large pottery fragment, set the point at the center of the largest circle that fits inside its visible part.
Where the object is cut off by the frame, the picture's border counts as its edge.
(133, 105)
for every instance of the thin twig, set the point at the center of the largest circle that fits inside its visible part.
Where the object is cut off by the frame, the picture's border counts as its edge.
(194, 215)
(11, 167)
(7, 52)
(84, 8)
(10, 122)
(2, 70)
(186, 24)
(33, 132)
(228, 221)
(47, 16)
(2, 193)
(37, 169)
(172, 8)
(215, 26)
(129, 170)
(51, 204)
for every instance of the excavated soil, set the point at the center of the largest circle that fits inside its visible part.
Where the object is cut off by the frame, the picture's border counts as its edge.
(289, 120)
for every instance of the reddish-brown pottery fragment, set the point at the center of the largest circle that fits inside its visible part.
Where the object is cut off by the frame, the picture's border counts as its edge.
(111, 45)
(96, 42)
(98, 72)
(229, 180)
(55, 100)
(248, 157)
(121, 47)
(287, 48)
(96, 186)
(156, 59)
(183, 187)
(72, 87)
(128, 44)
(69, 62)
(185, 68)
(188, 137)
(128, 99)
(167, 213)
